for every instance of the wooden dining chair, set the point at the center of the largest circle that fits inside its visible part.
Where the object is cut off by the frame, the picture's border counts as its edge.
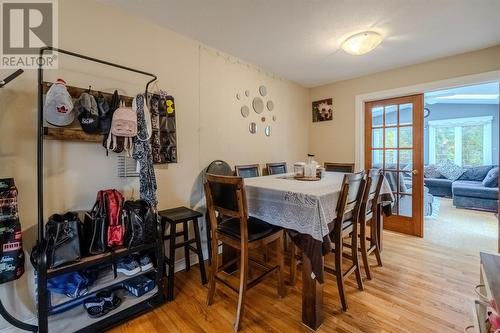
(247, 171)
(231, 225)
(339, 167)
(368, 214)
(276, 168)
(346, 226)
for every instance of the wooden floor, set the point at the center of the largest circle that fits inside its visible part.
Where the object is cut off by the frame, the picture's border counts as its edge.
(421, 288)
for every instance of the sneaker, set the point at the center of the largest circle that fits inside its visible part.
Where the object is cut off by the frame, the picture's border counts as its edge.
(128, 266)
(145, 263)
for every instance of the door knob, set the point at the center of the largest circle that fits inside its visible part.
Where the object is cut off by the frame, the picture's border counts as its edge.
(415, 172)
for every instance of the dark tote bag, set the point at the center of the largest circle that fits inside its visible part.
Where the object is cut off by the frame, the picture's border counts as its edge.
(11, 243)
(63, 239)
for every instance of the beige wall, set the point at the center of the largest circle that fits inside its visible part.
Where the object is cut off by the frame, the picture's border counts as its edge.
(334, 141)
(209, 123)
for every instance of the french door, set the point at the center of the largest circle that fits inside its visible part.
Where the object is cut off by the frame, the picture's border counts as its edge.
(394, 143)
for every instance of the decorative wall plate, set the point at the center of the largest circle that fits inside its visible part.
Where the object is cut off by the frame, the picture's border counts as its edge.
(258, 105)
(238, 96)
(252, 128)
(245, 111)
(270, 105)
(263, 91)
(247, 93)
(267, 130)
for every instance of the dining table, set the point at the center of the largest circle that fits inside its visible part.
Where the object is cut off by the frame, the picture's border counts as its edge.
(307, 210)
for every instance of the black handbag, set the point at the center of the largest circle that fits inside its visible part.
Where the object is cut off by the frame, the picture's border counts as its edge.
(95, 228)
(140, 223)
(63, 239)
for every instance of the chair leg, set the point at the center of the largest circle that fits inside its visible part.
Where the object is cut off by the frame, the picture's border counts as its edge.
(364, 251)
(280, 245)
(201, 262)
(185, 231)
(212, 272)
(243, 287)
(355, 255)
(338, 271)
(171, 262)
(209, 243)
(374, 235)
(293, 264)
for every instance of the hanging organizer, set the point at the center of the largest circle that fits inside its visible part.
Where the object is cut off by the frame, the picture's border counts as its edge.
(54, 317)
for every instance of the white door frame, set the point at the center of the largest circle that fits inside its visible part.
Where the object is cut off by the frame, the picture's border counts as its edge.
(493, 76)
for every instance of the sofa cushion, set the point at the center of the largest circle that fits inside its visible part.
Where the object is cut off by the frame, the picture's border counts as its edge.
(491, 179)
(430, 171)
(437, 182)
(476, 173)
(450, 170)
(473, 189)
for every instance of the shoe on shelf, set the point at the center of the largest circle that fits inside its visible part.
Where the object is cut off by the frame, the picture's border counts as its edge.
(145, 263)
(128, 266)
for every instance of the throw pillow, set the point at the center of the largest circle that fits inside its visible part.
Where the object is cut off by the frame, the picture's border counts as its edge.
(450, 170)
(491, 179)
(430, 171)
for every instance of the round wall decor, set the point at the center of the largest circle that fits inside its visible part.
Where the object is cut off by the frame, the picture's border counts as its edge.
(245, 111)
(258, 105)
(270, 105)
(252, 128)
(238, 96)
(263, 91)
(247, 93)
(267, 130)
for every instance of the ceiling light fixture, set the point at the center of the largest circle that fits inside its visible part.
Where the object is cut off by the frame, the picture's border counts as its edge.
(362, 42)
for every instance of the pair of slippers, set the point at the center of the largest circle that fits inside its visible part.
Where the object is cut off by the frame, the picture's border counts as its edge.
(102, 303)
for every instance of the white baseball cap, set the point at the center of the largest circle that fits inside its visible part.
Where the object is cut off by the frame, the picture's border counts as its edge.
(58, 108)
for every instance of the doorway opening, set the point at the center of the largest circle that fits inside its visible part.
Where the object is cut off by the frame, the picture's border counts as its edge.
(461, 152)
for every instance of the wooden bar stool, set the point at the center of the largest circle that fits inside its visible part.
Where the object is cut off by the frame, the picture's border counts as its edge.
(173, 217)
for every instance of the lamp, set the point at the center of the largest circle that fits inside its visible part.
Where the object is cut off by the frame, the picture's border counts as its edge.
(362, 42)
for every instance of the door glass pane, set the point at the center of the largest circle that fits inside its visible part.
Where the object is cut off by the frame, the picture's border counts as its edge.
(405, 205)
(392, 179)
(391, 159)
(377, 159)
(405, 114)
(377, 137)
(391, 137)
(391, 115)
(377, 117)
(405, 182)
(405, 159)
(405, 137)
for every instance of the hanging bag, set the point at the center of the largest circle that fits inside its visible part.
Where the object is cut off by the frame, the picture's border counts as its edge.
(95, 227)
(124, 125)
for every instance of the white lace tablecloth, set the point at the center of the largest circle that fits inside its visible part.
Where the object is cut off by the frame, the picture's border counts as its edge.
(304, 206)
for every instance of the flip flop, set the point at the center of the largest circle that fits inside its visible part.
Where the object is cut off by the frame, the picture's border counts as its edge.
(111, 301)
(95, 307)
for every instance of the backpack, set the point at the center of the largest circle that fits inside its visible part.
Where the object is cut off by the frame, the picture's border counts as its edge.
(123, 124)
(113, 201)
(140, 222)
(123, 129)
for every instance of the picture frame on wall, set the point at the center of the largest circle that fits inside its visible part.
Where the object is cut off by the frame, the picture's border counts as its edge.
(322, 110)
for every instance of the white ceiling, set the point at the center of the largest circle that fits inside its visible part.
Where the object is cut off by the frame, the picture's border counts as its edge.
(477, 94)
(299, 39)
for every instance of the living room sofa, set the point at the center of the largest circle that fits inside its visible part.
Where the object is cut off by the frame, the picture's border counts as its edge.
(468, 190)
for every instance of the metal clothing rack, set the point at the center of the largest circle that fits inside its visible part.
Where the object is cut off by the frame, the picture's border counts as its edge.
(44, 273)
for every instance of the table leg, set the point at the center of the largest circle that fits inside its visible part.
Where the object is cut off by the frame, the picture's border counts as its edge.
(312, 297)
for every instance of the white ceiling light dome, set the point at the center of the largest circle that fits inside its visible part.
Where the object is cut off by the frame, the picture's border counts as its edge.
(362, 42)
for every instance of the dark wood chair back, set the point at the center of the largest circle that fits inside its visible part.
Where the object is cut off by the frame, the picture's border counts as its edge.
(339, 167)
(226, 197)
(247, 171)
(276, 168)
(371, 197)
(351, 193)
